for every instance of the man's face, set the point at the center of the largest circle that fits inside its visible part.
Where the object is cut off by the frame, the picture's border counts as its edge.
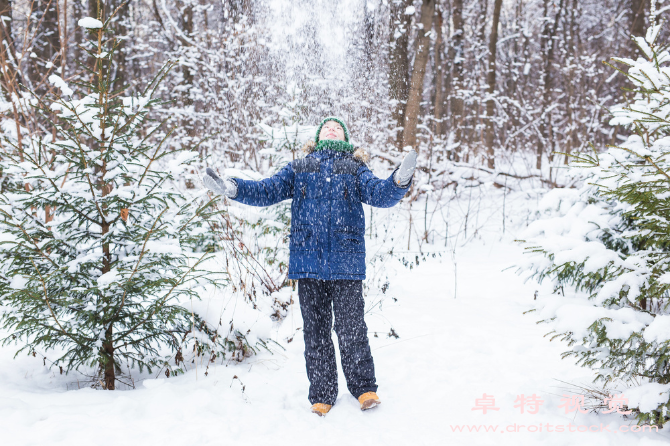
(331, 130)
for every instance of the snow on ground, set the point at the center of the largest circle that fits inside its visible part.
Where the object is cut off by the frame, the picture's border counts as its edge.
(450, 351)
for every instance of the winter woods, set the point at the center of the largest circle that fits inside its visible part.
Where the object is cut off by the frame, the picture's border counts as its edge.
(505, 85)
(479, 83)
(107, 123)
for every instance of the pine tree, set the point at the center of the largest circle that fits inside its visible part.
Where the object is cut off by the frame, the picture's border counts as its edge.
(101, 252)
(606, 246)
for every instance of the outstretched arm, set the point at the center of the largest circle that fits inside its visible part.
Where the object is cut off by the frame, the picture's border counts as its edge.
(387, 193)
(268, 191)
(377, 192)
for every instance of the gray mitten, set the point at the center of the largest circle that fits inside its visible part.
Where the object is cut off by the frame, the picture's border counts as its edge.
(221, 186)
(406, 169)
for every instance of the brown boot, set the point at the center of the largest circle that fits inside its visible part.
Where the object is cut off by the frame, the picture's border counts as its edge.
(321, 409)
(368, 400)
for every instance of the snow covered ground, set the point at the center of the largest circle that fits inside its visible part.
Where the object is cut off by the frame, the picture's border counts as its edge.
(450, 351)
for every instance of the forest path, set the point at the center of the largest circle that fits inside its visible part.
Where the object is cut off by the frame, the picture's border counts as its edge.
(450, 351)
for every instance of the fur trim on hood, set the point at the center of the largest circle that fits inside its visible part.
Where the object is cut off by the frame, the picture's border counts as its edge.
(359, 154)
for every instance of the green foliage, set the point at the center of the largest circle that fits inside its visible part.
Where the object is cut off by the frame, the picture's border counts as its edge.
(606, 247)
(100, 249)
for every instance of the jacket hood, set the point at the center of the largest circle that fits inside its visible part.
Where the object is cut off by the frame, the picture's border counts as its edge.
(359, 154)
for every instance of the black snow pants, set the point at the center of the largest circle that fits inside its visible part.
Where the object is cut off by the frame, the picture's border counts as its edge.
(346, 299)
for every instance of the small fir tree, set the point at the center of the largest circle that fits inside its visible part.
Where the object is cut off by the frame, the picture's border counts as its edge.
(606, 247)
(100, 249)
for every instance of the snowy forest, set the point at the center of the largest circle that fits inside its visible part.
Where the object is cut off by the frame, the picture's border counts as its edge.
(530, 254)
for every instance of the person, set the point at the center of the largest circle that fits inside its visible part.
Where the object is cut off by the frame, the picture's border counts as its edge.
(327, 250)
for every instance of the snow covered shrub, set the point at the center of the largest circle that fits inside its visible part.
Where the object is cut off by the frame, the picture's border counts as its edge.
(256, 238)
(606, 246)
(100, 252)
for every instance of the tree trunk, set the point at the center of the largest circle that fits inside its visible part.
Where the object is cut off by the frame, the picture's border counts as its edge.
(108, 352)
(545, 78)
(457, 106)
(637, 24)
(11, 79)
(418, 73)
(121, 32)
(491, 80)
(79, 55)
(399, 63)
(637, 9)
(119, 26)
(6, 25)
(187, 28)
(368, 65)
(51, 46)
(6, 36)
(547, 51)
(47, 43)
(572, 139)
(107, 349)
(439, 76)
(480, 21)
(107, 345)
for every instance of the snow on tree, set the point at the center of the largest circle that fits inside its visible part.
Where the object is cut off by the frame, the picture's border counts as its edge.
(606, 246)
(101, 252)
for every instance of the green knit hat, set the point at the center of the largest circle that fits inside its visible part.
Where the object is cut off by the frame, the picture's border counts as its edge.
(336, 119)
(339, 146)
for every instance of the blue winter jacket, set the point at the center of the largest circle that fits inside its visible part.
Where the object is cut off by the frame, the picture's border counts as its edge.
(327, 219)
